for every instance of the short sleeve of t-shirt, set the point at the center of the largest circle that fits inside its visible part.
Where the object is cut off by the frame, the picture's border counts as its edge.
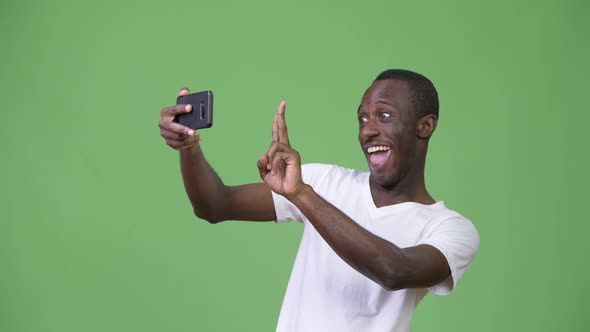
(457, 239)
(312, 175)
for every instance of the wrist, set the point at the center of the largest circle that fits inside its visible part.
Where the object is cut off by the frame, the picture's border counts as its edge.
(194, 149)
(299, 195)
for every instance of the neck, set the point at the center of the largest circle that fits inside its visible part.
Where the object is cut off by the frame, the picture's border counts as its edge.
(410, 188)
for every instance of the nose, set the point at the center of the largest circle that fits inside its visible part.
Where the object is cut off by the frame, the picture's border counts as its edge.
(369, 130)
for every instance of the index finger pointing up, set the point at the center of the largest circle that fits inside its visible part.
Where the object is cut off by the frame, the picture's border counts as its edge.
(279, 125)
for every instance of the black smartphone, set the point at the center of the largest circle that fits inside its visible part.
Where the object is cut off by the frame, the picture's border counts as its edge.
(202, 114)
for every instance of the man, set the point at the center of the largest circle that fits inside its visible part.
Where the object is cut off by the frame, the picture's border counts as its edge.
(373, 243)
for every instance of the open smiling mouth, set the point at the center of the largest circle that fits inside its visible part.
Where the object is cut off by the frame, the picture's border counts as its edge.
(378, 155)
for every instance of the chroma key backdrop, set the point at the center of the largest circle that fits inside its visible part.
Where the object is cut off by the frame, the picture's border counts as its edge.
(97, 234)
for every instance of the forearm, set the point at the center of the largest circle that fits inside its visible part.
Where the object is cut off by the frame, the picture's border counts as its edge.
(374, 257)
(206, 191)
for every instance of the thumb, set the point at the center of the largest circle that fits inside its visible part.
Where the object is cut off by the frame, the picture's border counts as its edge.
(262, 162)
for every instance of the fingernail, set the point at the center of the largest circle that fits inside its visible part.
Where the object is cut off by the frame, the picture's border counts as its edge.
(190, 132)
(188, 107)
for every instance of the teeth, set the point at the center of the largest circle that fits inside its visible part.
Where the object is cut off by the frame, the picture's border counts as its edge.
(377, 148)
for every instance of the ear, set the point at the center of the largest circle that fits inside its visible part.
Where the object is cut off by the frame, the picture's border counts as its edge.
(426, 126)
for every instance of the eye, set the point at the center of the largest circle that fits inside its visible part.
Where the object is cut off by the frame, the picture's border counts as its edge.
(363, 119)
(384, 115)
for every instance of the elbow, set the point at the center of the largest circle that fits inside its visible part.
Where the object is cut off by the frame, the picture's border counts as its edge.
(212, 218)
(393, 280)
(391, 285)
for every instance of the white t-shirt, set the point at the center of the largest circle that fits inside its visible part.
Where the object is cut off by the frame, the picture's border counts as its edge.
(326, 294)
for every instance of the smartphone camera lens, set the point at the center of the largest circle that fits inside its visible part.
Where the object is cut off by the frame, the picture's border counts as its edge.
(203, 110)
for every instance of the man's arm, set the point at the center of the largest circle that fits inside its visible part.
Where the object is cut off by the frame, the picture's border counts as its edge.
(210, 198)
(214, 201)
(378, 259)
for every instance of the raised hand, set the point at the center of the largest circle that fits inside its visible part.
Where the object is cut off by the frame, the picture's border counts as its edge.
(280, 166)
(176, 135)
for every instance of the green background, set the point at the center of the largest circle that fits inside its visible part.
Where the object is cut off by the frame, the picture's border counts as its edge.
(96, 233)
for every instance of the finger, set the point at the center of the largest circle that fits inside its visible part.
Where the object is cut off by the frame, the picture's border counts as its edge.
(275, 149)
(175, 127)
(282, 124)
(174, 144)
(271, 152)
(183, 92)
(278, 164)
(275, 128)
(261, 164)
(173, 135)
(171, 111)
(183, 144)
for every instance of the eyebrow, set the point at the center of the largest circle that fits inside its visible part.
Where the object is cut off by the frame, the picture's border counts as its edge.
(384, 102)
(380, 101)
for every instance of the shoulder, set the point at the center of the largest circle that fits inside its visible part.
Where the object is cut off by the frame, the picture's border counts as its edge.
(444, 222)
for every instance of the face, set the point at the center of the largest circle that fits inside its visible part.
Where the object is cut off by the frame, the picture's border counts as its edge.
(388, 131)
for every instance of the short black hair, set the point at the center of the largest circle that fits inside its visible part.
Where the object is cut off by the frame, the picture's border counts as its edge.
(424, 95)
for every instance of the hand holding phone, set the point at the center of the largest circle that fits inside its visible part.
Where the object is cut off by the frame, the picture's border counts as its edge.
(201, 115)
